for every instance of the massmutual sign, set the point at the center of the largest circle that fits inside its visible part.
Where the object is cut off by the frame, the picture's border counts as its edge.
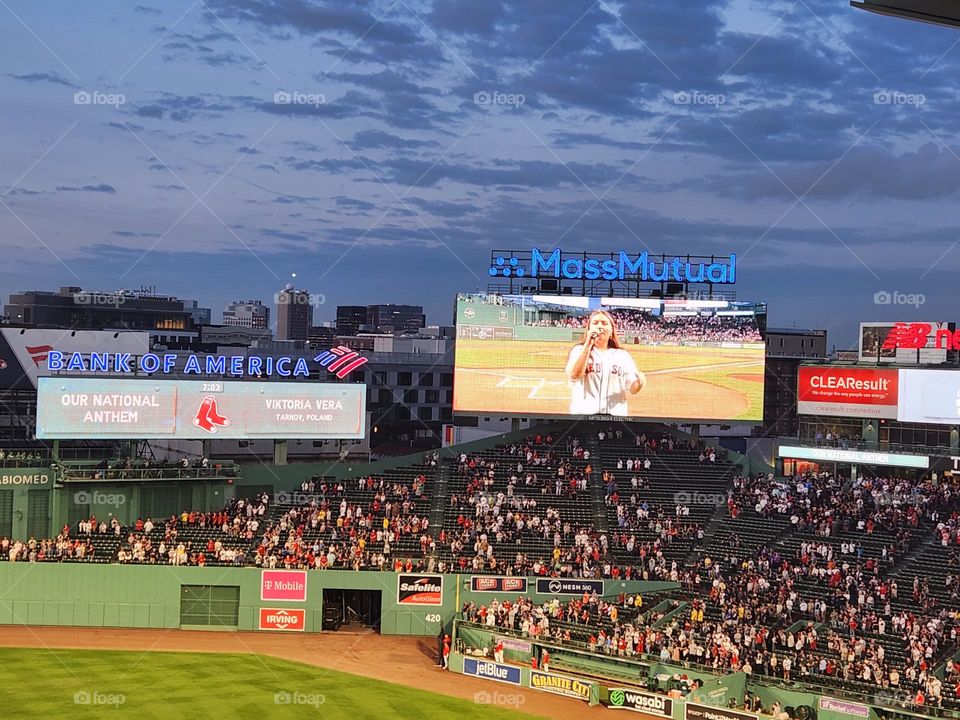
(621, 265)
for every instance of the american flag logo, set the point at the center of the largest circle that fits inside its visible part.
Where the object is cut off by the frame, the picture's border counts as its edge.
(38, 353)
(340, 360)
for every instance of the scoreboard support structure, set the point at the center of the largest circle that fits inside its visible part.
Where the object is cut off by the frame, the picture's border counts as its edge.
(279, 452)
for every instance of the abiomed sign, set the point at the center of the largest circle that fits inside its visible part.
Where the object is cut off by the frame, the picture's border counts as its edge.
(25, 477)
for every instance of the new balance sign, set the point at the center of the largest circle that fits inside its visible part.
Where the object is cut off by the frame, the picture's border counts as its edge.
(292, 620)
(419, 589)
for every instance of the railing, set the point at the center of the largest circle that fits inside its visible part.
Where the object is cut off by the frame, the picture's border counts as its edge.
(646, 660)
(32, 456)
(871, 446)
(24, 461)
(93, 474)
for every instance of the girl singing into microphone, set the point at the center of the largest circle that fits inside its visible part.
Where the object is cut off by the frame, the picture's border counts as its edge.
(602, 373)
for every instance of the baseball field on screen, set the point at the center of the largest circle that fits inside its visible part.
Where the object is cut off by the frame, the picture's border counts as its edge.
(683, 382)
(81, 684)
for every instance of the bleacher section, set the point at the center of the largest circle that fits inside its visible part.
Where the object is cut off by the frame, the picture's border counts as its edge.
(865, 575)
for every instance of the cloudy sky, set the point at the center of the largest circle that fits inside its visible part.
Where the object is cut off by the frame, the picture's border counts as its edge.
(381, 149)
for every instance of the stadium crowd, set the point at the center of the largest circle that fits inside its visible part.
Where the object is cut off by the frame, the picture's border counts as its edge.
(827, 597)
(643, 327)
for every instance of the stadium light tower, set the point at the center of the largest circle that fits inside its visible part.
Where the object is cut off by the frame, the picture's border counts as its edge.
(936, 12)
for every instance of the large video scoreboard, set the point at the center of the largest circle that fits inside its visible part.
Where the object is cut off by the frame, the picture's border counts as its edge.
(660, 358)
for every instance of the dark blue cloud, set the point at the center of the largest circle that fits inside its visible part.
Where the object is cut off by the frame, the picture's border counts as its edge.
(43, 77)
(99, 188)
(307, 120)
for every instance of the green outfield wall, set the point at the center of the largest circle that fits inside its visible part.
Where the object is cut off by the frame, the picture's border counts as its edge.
(165, 596)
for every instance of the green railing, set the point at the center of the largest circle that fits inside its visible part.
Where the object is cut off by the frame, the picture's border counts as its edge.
(86, 473)
(883, 700)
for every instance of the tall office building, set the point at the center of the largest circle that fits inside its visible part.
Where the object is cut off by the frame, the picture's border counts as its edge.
(294, 314)
(396, 319)
(350, 318)
(72, 307)
(247, 313)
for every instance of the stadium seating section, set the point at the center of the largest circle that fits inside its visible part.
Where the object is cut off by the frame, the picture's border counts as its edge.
(842, 583)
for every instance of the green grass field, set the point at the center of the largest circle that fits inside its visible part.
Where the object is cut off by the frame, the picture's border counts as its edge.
(79, 684)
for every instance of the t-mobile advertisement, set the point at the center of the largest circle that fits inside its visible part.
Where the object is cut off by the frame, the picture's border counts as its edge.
(82, 408)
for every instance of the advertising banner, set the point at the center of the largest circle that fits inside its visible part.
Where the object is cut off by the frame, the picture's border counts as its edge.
(847, 391)
(419, 589)
(511, 643)
(34, 478)
(929, 396)
(905, 343)
(498, 584)
(121, 408)
(560, 685)
(292, 620)
(844, 707)
(285, 585)
(695, 711)
(859, 457)
(564, 586)
(491, 670)
(631, 699)
(24, 351)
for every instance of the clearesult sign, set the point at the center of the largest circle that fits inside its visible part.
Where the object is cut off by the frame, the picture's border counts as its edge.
(283, 585)
(630, 699)
(491, 670)
(560, 685)
(419, 589)
(847, 391)
(287, 620)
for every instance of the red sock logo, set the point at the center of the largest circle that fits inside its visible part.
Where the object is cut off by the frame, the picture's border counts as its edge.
(215, 417)
(208, 418)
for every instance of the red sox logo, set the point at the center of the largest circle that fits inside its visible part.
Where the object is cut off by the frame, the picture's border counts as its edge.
(208, 418)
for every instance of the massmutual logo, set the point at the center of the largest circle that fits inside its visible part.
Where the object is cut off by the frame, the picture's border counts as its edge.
(623, 267)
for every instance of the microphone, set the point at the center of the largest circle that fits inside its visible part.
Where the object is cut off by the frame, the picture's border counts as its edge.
(594, 335)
